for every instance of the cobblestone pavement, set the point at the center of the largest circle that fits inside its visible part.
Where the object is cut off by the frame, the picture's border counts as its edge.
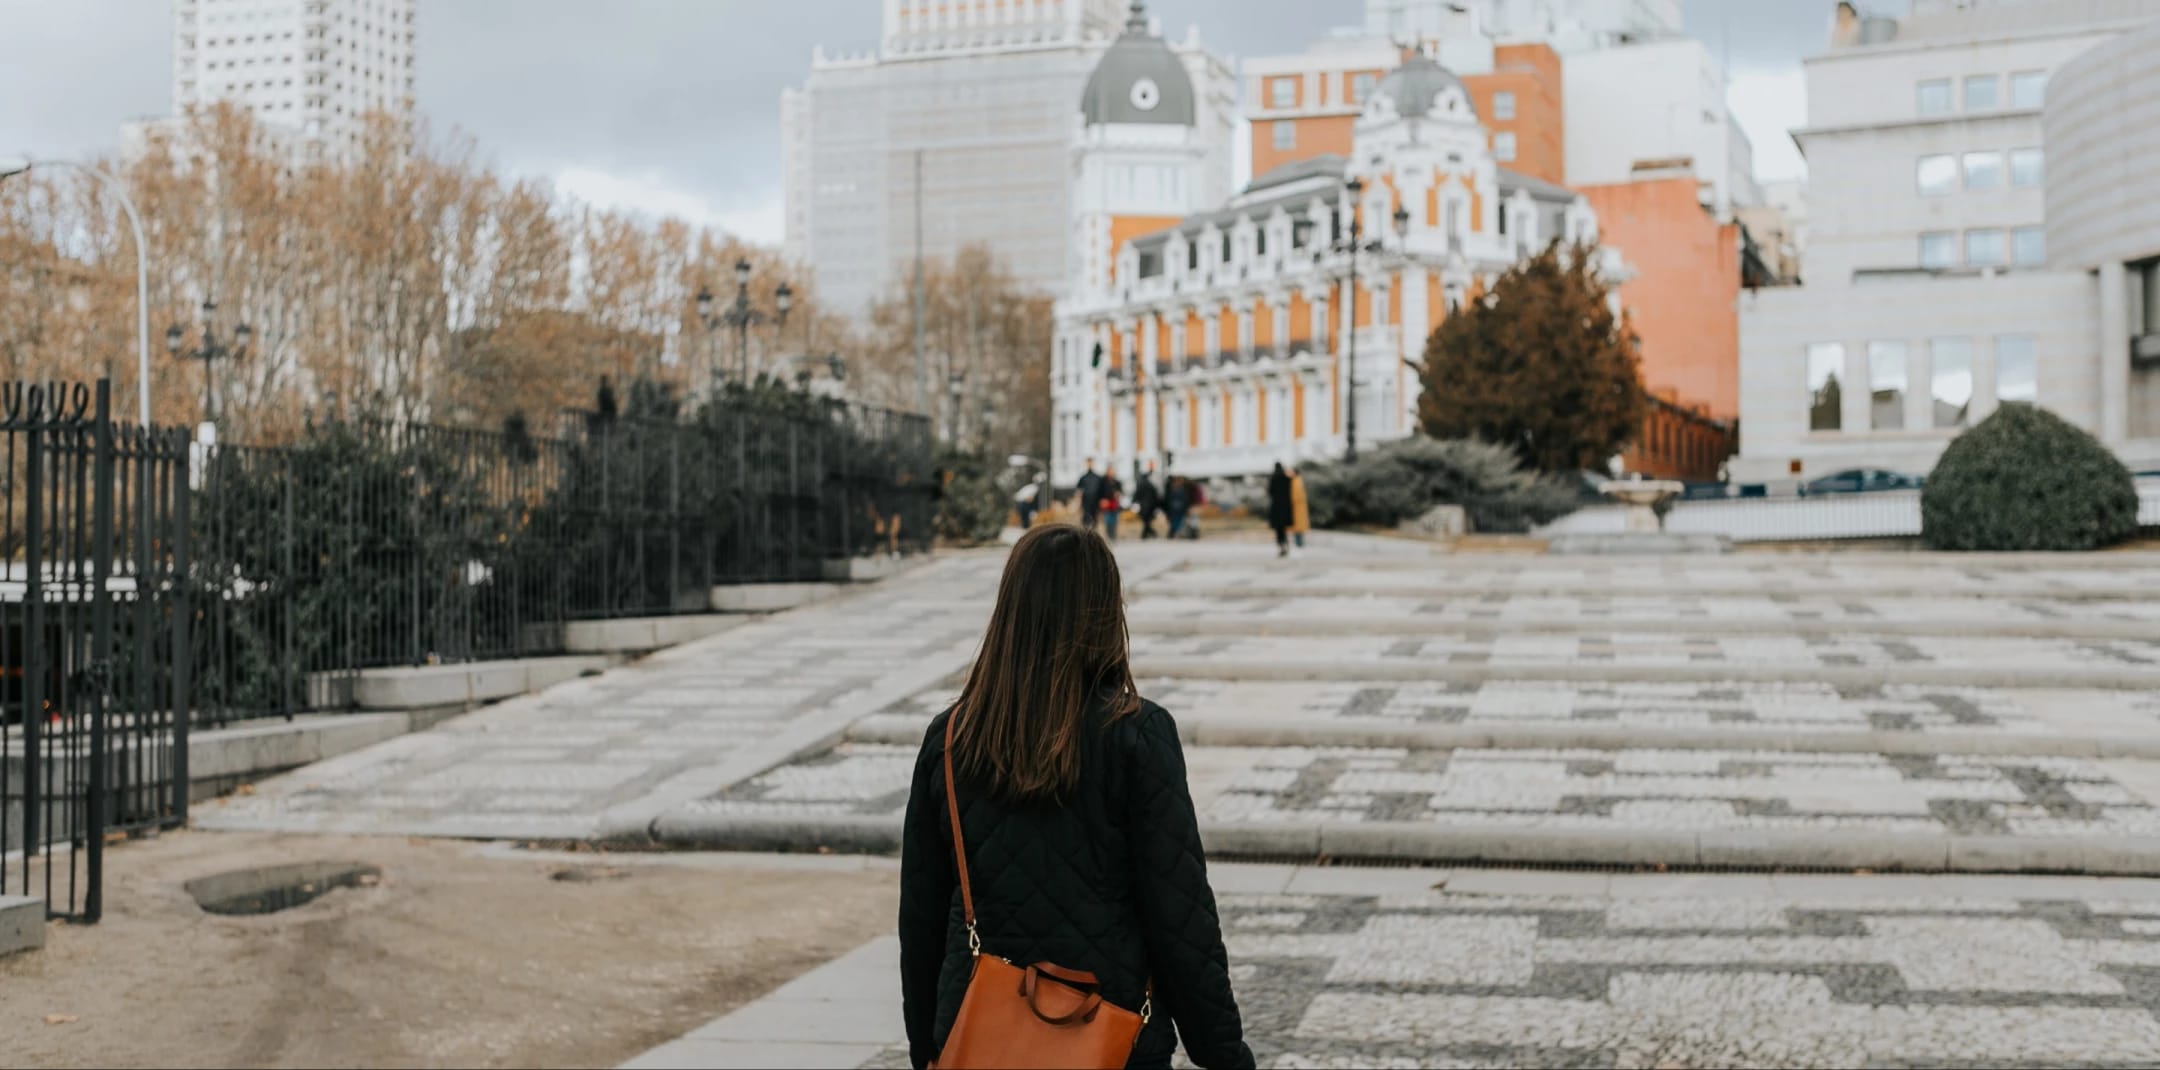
(1770, 972)
(1664, 790)
(1796, 707)
(1504, 607)
(1644, 645)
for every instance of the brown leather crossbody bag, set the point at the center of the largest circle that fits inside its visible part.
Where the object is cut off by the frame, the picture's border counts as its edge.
(1028, 1016)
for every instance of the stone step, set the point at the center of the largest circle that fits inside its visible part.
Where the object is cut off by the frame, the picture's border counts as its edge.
(1148, 619)
(22, 924)
(1738, 808)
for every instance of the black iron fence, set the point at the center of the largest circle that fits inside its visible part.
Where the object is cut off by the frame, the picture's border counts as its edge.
(149, 585)
(367, 545)
(91, 627)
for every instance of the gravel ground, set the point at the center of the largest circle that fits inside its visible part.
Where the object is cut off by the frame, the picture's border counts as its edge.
(460, 956)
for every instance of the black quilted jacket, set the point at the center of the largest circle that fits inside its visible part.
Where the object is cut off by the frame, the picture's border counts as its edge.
(1112, 882)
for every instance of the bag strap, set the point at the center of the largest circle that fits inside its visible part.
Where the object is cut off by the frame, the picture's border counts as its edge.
(959, 845)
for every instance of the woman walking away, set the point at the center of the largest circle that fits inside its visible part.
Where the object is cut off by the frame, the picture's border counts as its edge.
(1054, 902)
(1176, 500)
(1279, 512)
(1300, 511)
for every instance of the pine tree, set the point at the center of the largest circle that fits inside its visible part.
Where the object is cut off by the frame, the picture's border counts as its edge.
(1540, 364)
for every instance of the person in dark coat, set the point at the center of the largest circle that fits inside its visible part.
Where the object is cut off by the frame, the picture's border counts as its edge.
(1090, 489)
(1281, 511)
(1177, 499)
(1082, 845)
(1148, 499)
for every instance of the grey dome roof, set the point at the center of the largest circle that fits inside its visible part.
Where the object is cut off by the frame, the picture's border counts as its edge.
(1139, 80)
(1417, 83)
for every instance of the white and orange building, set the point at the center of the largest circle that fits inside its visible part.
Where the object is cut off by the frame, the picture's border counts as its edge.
(1218, 342)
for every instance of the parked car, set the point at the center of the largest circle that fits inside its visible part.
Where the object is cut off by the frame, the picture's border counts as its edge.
(1854, 480)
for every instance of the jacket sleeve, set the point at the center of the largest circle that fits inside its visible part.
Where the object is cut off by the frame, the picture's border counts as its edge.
(926, 889)
(1191, 970)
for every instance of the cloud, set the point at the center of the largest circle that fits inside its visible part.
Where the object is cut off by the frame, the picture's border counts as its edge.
(1770, 102)
(762, 221)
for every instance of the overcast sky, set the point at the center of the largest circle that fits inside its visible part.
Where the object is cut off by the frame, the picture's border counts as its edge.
(672, 106)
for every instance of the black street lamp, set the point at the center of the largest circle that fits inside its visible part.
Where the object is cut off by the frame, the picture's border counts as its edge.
(741, 316)
(1353, 243)
(208, 351)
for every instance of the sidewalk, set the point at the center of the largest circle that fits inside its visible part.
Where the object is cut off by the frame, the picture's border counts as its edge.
(1351, 966)
(842, 1014)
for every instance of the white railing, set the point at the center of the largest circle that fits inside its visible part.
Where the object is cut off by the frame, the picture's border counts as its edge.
(1870, 515)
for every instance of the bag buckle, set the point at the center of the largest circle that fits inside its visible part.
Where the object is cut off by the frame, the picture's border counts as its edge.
(974, 940)
(1147, 1009)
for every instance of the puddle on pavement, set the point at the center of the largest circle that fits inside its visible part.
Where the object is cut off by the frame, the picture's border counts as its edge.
(270, 889)
(587, 874)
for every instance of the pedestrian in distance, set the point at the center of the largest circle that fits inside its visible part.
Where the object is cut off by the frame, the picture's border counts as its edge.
(1279, 508)
(1147, 498)
(1051, 845)
(1300, 511)
(1090, 489)
(1177, 499)
(1112, 504)
(1024, 503)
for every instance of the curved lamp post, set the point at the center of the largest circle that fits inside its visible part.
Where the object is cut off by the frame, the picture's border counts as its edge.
(18, 166)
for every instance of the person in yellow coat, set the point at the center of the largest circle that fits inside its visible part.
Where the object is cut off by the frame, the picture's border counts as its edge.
(1300, 513)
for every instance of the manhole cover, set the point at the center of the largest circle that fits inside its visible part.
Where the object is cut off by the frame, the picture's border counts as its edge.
(275, 888)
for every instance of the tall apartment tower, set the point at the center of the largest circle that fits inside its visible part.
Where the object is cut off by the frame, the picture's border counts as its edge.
(958, 130)
(311, 68)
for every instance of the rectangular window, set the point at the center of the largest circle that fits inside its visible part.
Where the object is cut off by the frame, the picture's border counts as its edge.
(1285, 135)
(1503, 105)
(1938, 249)
(1886, 385)
(2028, 246)
(1984, 247)
(1933, 97)
(1825, 371)
(1982, 93)
(1503, 146)
(2016, 375)
(1282, 92)
(1361, 87)
(2028, 89)
(2027, 167)
(1950, 380)
(1983, 170)
(1938, 174)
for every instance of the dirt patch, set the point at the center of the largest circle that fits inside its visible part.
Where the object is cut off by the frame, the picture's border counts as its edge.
(455, 956)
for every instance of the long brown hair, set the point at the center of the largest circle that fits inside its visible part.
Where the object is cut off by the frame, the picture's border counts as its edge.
(1056, 647)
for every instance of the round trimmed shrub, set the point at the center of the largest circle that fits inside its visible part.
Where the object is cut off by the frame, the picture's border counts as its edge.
(2026, 479)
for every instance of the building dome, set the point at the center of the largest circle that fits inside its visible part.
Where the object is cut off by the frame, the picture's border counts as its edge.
(1420, 87)
(1140, 80)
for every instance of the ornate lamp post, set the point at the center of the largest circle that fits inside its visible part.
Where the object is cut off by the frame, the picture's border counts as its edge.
(1354, 243)
(741, 316)
(209, 350)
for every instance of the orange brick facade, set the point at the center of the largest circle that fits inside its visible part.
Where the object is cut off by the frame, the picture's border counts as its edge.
(1319, 107)
(1684, 298)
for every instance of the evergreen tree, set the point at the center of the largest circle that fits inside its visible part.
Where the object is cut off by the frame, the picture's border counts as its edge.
(1540, 364)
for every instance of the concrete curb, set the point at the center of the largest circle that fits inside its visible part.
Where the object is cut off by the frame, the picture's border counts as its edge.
(1371, 732)
(1260, 627)
(2133, 856)
(22, 924)
(1394, 587)
(1377, 671)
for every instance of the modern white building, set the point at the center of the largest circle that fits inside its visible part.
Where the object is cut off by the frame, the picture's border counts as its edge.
(313, 68)
(958, 130)
(1975, 234)
(1651, 102)
(1231, 339)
